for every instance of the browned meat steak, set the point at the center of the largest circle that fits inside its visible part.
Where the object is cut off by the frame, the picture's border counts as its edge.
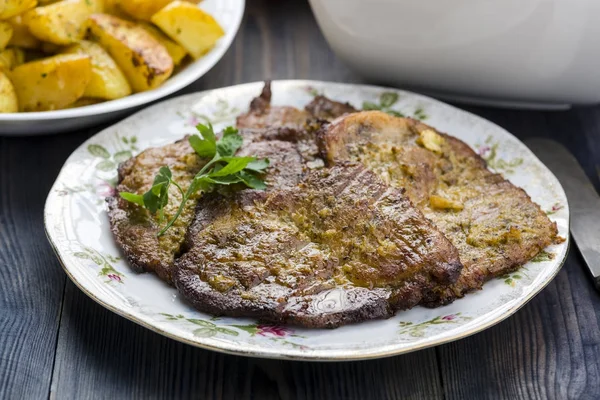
(266, 122)
(286, 163)
(135, 229)
(323, 108)
(262, 114)
(340, 247)
(494, 224)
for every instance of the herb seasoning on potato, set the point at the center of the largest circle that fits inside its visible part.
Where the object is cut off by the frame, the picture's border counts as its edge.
(73, 53)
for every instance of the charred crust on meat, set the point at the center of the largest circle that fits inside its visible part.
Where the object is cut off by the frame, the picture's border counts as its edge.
(263, 101)
(322, 263)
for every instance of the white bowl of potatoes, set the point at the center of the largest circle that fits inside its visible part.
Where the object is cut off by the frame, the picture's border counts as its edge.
(69, 64)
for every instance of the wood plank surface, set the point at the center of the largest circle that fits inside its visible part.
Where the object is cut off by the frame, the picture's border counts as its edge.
(548, 350)
(31, 279)
(55, 341)
(101, 355)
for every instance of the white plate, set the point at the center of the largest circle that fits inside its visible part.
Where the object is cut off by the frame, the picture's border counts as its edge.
(227, 12)
(77, 225)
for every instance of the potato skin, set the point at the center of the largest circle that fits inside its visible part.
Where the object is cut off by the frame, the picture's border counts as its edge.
(63, 22)
(108, 81)
(15, 7)
(189, 26)
(6, 32)
(8, 97)
(51, 83)
(144, 61)
(176, 52)
(143, 9)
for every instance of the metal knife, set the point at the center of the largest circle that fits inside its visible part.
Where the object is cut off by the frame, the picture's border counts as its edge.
(584, 202)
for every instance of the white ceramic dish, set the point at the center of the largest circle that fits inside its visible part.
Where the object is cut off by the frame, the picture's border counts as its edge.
(227, 12)
(541, 53)
(77, 226)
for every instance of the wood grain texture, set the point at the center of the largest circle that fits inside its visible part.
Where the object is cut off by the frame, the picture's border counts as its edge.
(548, 350)
(31, 279)
(99, 350)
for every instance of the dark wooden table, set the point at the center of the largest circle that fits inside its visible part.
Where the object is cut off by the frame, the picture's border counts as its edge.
(56, 342)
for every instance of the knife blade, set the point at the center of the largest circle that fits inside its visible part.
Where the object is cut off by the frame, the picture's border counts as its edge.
(584, 202)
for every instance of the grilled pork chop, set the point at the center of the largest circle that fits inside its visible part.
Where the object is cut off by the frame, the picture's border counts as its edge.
(338, 248)
(494, 224)
(135, 228)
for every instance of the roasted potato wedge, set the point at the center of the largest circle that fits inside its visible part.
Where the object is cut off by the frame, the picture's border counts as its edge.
(113, 7)
(10, 8)
(50, 66)
(21, 36)
(176, 52)
(189, 26)
(144, 61)
(8, 97)
(107, 82)
(51, 83)
(6, 32)
(61, 23)
(11, 57)
(143, 9)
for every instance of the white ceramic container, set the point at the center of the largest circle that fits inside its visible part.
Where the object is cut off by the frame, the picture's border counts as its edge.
(511, 52)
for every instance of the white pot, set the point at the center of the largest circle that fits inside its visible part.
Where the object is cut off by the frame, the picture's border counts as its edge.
(524, 52)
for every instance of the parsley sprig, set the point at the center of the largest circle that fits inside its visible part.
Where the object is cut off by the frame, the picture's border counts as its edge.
(224, 168)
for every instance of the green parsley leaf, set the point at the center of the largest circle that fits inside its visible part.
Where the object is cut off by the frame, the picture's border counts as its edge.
(252, 181)
(224, 168)
(234, 164)
(164, 175)
(152, 200)
(203, 183)
(158, 196)
(133, 198)
(229, 143)
(207, 145)
(225, 180)
(258, 165)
